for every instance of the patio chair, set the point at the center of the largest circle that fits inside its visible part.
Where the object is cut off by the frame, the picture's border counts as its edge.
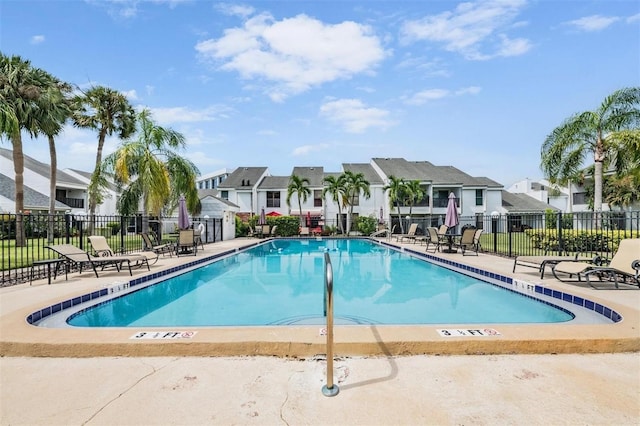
(624, 266)
(101, 248)
(541, 262)
(79, 257)
(433, 240)
(304, 231)
(411, 233)
(468, 241)
(156, 248)
(476, 239)
(273, 231)
(186, 243)
(198, 232)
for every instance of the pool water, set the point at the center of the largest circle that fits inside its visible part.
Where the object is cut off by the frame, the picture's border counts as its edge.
(281, 282)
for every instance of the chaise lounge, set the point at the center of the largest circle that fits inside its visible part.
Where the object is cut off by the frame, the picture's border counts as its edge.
(79, 257)
(623, 268)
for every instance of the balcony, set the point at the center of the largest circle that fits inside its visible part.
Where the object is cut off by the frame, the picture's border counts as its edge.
(74, 203)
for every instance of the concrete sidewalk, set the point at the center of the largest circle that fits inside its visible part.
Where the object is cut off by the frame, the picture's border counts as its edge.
(522, 389)
(596, 389)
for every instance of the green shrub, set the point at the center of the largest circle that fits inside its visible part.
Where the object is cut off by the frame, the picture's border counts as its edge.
(366, 225)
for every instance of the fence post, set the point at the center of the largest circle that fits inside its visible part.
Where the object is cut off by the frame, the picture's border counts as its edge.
(559, 231)
(67, 226)
(122, 232)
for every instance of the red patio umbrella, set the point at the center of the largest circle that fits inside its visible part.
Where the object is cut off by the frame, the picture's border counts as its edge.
(273, 214)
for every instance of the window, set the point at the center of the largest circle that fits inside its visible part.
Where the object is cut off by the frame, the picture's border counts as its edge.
(580, 198)
(317, 198)
(355, 200)
(273, 198)
(224, 195)
(479, 198)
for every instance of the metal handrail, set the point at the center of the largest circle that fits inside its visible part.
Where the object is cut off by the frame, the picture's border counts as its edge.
(330, 389)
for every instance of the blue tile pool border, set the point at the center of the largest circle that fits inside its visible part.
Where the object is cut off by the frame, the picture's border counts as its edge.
(77, 300)
(535, 288)
(609, 313)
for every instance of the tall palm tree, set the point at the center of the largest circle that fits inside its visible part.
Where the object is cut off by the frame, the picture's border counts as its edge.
(335, 187)
(107, 111)
(590, 133)
(300, 187)
(151, 170)
(397, 188)
(415, 194)
(355, 183)
(23, 94)
(52, 120)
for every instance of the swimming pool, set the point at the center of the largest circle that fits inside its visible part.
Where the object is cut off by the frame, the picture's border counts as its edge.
(281, 283)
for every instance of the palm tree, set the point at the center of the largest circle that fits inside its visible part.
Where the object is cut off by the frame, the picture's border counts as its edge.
(58, 110)
(152, 171)
(107, 111)
(355, 183)
(415, 194)
(591, 132)
(335, 187)
(24, 91)
(300, 187)
(397, 188)
(623, 189)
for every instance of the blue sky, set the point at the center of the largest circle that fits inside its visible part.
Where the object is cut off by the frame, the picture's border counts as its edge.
(477, 85)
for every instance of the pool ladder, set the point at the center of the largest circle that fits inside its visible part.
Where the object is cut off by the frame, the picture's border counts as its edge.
(330, 389)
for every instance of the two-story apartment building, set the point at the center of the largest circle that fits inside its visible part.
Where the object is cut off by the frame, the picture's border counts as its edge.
(254, 189)
(71, 192)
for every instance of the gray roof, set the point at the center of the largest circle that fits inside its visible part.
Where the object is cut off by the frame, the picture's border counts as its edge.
(275, 182)
(425, 171)
(32, 198)
(43, 169)
(367, 171)
(222, 200)
(314, 174)
(243, 178)
(522, 203)
(485, 181)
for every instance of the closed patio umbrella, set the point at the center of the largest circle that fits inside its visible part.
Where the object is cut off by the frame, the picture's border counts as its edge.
(183, 214)
(263, 219)
(308, 218)
(451, 218)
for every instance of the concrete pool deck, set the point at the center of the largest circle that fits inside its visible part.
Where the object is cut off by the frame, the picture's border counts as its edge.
(18, 338)
(54, 376)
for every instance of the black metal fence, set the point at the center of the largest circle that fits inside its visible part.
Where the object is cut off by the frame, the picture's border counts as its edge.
(529, 234)
(508, 235)
(42, 230)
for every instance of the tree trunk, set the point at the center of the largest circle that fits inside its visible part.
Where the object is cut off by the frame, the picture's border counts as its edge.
(400, 218)
(18, 168)
(52, 189)
(95, 176)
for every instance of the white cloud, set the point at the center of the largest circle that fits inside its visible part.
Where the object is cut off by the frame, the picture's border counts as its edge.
(308, 149)
(128, 9)
(149, 89)
(633, 18)
(471, 29)
(593, 23)
(37, 39)
(294, 54)
(424, 96)
(471, 90)
(267, 132)
(166, 116)
(131, 94)
(235, 9)
(354, 116)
